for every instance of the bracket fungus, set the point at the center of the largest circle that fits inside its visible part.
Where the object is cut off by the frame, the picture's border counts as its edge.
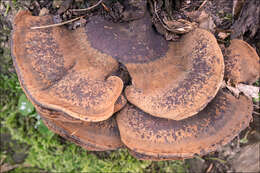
(94, 136)
(169, 80)
(242, 63)
(172, 107)
(59, 70)
(154, 138)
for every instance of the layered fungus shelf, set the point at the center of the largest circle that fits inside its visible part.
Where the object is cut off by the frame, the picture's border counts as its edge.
(172, 107)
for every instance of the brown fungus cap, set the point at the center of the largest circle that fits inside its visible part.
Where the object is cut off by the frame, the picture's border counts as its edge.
(172, 80)
(59, 70)
(156, 138)
(94, 136)
(242, 63)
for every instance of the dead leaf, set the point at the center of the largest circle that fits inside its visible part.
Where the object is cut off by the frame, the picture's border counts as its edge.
(223, 35)
(237, 6)
(64, 6)
(6, 167)
(206, 21)
(43, 12)
(179, 26)
(234, 90)
(248, 90)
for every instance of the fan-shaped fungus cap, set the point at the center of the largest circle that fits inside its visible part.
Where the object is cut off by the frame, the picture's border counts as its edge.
(242, 63)
(95, 136)
(156, 138)
(172, 80)
(59, 69)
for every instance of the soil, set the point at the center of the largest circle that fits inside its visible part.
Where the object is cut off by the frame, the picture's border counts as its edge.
(239, 155)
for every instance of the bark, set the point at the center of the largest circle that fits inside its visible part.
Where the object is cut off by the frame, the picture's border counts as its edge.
(248, 21)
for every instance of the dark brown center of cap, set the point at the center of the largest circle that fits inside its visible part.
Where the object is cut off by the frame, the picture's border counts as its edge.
(128, 42)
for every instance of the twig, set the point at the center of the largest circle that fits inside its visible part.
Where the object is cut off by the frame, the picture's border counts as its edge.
(89, 8)
(105, 7)
(202, 5)
(209, 168)
(245, 137)
(158, 17)
(57, 24)
(199, 158)
(217, 159)
(257, 113)
(256, 106)
(7, 10)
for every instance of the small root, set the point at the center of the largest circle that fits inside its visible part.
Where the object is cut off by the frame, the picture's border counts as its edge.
(105, 7)
(202, 5)
(209, 168)
(257, 113)
(256, 106)
(89, 8)
(57, 24)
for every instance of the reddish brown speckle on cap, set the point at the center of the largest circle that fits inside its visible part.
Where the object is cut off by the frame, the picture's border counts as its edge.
(59, 70)
(163, 139)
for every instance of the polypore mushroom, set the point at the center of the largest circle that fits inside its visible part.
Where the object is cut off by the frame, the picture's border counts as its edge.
(59, 70)
(172, 80)
(95, 136)
(69, 77)
(242, 63)
(154, 138)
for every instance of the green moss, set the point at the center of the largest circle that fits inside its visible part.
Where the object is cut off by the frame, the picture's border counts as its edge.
(228, 16)
(25, 169)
